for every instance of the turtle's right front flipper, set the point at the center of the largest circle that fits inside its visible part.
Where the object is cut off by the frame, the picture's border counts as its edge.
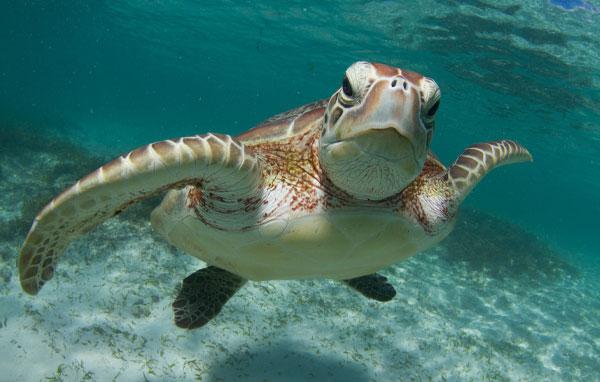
(218, 165)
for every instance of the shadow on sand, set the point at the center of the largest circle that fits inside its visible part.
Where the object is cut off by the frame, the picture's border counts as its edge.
(38, 161)
(503, 250)
(285, 361)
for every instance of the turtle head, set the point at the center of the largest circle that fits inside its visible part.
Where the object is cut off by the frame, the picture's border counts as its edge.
(377, 129)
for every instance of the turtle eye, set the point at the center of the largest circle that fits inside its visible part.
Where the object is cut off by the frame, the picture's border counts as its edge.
(433, 109)
(346, 87)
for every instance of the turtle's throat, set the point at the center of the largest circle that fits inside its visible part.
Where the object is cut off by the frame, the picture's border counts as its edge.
(373, 166)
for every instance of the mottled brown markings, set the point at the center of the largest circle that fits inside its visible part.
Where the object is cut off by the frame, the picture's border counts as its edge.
(429, 180)
(195, 197)
(293, 163)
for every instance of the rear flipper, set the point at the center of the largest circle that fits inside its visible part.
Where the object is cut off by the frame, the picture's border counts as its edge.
(203, 294)
(373, 286)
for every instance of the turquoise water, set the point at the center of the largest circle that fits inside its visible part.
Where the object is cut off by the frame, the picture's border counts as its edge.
(83, 82)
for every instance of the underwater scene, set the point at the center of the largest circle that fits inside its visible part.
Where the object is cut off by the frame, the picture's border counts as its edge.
(325, 204)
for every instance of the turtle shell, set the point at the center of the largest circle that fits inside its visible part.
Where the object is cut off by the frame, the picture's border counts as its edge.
(284, 125)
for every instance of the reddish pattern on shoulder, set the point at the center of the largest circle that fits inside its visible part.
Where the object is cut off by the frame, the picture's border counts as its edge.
(430, 180)
(195, 197)
(293, 163)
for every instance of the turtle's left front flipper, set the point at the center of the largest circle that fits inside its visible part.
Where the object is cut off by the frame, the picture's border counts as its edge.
(373, 286)
(218, 165)
(478, 160)
(202, 296)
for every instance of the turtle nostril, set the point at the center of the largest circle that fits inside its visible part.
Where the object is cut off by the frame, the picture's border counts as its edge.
(404, 84)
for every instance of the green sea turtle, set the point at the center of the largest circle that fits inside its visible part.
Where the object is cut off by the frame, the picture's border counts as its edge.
(337, 189)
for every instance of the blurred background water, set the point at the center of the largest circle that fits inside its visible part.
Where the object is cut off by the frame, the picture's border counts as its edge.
(114, 75)
(128, 72)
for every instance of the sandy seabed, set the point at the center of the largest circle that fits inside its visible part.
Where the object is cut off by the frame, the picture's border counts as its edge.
(490, 303)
